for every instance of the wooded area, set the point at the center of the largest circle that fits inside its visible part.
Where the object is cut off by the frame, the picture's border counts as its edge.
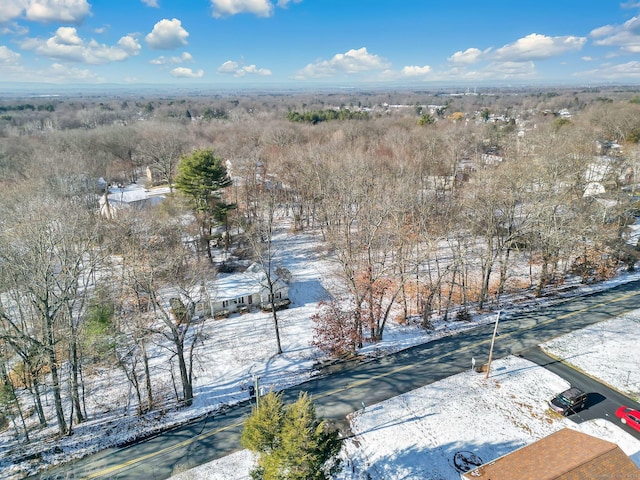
(431, 203)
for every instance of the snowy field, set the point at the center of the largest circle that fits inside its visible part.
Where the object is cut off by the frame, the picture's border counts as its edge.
(235, 349)
(417, 435)
(244, 345)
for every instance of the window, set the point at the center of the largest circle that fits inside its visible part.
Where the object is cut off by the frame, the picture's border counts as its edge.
(225, 303)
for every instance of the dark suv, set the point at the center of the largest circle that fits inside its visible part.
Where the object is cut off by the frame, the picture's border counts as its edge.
(569, 401)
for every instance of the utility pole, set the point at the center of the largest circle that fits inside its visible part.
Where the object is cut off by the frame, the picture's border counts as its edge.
(257, 387)
(493, 339)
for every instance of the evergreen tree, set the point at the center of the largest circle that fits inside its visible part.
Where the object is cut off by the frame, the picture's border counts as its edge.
(293, 443)
(262, 428)
(201, 176)
(426, 119)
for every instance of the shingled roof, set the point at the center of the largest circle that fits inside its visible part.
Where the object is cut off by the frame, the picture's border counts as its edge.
(564, 455)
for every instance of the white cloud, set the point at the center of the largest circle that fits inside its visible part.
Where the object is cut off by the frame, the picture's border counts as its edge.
(130, 44)
(468, 57)
(11, 9)
(73, 11)
(167, 35)
(151, 3)
(253, 70)
(68, 46)
(162, 60)
(538, 47)
(285, 3)
(182, 72)
(56, 73)
(261, 8)
(67, 36)
(492, 71)
(409, 71)
(626, 36)
(222, 8)
(629, 70)
(59, 73)
(353, 61)
(507, 70)
(8, 56)
(415, 71)
(231, 67)
(13, 29)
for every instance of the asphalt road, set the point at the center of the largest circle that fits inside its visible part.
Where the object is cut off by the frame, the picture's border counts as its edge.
(602, 401)
(342, 391)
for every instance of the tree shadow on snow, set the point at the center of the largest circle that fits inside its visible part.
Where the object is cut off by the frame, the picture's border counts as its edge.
(307, 291)
(437, 463)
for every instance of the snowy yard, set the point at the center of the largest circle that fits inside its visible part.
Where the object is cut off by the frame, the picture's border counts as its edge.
(417, 435)
(428, 425)
(235, 349)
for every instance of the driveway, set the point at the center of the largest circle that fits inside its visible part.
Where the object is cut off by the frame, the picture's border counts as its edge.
(602, 401)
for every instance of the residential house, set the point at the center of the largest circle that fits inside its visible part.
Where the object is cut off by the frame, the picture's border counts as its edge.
(564, 455)
(129, 196)
(241, 292)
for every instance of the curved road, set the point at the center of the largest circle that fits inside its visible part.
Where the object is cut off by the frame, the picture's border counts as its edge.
(341, 392)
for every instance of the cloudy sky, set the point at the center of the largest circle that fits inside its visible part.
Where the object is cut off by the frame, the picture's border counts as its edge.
(298, 43)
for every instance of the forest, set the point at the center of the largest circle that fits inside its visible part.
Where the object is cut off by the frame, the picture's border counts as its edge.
(429, 203)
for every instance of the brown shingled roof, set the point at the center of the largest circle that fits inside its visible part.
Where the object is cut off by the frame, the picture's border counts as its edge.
(564, 455)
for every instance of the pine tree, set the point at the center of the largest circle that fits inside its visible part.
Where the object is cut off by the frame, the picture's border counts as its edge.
(262, 428)
(201, 177)
(292, 442)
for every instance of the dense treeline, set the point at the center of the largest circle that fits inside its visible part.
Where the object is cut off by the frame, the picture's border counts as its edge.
(421, 218)
(27, 106)
(316, 116)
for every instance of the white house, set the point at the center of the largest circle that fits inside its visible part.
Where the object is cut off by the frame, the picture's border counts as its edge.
(241, 292)
(130, 196)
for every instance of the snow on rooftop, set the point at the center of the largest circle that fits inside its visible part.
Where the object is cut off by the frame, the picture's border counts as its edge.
(136, 193)
(234, 285)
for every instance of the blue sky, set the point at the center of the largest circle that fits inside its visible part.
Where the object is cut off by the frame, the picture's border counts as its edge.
(306, 43)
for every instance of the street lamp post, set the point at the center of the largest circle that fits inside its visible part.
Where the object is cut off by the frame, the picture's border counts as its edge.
(493, 339)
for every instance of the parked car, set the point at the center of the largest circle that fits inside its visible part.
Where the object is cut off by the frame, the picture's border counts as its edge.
(569, 401)
(629, 416)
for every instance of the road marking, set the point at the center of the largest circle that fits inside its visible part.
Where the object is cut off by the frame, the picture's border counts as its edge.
(349, 386)
(184, 443)
(470, 346)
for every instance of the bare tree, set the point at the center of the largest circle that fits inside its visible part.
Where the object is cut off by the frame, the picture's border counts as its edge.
(161, 148)
(260, 233)
(162, 279)
(45, 262)
(122, 143)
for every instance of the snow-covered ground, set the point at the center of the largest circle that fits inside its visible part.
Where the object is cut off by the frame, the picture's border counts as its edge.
(235, 349)
(244, 345)
(417, 435)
